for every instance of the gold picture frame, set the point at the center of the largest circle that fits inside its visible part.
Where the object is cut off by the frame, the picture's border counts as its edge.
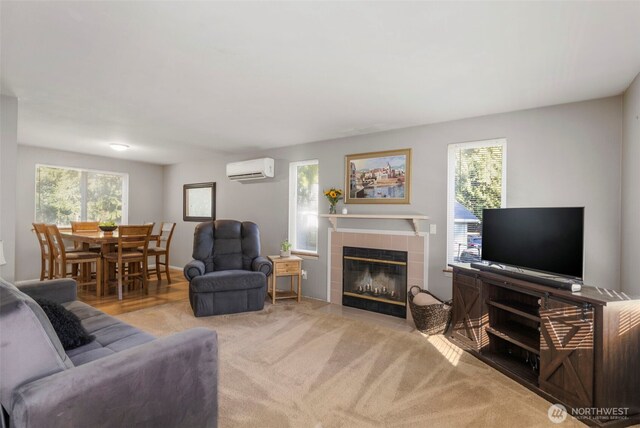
(378, 177)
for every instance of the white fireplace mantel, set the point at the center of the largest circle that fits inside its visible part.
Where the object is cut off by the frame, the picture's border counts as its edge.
(413, 218)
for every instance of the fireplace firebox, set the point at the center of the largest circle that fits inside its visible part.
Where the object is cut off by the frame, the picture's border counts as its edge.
(375, 280)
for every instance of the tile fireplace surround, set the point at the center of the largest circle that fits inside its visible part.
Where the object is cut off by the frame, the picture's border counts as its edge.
(415, 245)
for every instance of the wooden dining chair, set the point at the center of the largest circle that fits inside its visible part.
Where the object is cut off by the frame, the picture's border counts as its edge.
(85, 226)
(130, 257)
(62, 258)
(46, 255)
(161, 248)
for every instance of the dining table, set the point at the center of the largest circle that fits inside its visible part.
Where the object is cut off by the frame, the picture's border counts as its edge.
(106, 240)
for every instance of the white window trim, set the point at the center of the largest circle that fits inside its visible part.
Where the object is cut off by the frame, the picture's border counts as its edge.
(293, 166)
(451, 176)
(125, 186)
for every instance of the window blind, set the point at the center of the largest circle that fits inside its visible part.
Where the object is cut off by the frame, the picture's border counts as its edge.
(476, 180)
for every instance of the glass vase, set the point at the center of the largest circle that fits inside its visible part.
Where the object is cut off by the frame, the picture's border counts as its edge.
(332, 209)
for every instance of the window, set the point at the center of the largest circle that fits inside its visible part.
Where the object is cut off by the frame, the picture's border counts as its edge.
(477, 180)
(303, 206)
(64, 195)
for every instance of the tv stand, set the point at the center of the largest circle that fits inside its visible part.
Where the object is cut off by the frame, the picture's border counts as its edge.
(577, 349)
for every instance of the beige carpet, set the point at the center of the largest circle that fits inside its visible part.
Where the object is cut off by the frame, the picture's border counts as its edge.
(294, 366)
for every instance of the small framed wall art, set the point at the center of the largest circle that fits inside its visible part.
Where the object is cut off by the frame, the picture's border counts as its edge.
(199, 202)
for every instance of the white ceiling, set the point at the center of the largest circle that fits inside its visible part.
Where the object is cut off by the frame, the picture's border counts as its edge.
(176, 79)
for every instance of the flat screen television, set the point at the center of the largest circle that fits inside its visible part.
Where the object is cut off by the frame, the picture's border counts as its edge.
(549, 240)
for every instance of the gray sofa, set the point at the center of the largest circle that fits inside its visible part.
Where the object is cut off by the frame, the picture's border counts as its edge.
(125, 377)
(227, 275)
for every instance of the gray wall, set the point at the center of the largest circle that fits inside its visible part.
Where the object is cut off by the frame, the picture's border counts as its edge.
(145, 195)
(630, 268)
(566, 155)
(8, 155)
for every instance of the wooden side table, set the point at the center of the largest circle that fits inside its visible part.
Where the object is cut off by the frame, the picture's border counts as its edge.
(285, 266)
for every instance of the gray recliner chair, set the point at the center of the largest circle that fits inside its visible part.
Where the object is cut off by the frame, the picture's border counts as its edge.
(227, 275)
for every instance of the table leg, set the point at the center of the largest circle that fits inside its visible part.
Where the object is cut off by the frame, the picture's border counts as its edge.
(109, 268)
(120, 273)
(98, 277)
(274, 286)
(299, 285)
(87, 272)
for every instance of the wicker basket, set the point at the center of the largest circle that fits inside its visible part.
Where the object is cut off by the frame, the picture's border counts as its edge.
(430, 319)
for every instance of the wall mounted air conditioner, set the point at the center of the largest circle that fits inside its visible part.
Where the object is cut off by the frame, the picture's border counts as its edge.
(255, 169)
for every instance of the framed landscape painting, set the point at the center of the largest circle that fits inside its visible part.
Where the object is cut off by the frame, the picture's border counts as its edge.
(379, 177)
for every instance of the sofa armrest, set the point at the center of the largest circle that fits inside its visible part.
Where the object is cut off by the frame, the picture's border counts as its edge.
(172, 381)
(56, 290)
(193, 268)
(262, 264)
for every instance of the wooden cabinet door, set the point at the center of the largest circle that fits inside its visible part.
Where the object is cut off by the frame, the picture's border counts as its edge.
(468, 316)
(566, 352)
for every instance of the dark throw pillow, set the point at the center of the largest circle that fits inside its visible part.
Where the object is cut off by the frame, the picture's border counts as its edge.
(66, 324)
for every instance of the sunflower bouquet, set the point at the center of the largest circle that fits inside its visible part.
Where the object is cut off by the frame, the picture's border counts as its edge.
(333, 196)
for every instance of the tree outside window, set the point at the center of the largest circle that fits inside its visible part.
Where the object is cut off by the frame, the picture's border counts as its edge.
(477, 180)
(303, 206)
(64, 195)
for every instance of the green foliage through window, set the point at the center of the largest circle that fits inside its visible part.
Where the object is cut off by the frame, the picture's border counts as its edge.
(479, 178)
(476, 182)
(64, 195)
(104, 197)
(303, 232)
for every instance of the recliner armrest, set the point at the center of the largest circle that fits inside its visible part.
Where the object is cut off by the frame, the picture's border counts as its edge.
(193, 269)
(56, 290)
(172, 381)
(262, 264)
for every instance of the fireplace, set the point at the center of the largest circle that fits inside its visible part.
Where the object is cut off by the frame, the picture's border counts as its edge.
(375, 280)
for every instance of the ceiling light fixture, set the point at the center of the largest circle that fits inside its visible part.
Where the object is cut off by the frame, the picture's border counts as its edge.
(119, 147)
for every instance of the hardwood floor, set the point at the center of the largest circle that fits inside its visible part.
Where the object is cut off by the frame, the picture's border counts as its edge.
(158, 293)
